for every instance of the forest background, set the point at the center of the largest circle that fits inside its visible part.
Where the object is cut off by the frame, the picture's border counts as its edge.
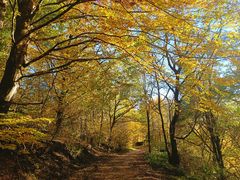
(114, 73)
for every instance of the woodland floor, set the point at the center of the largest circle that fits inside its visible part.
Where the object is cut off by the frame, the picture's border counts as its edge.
(127, 166)
(56, 163)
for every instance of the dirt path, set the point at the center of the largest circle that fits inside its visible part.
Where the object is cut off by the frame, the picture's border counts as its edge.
(129, 166)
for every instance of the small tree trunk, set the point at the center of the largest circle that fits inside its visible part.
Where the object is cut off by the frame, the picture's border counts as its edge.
(149, 130)
(112, 122)
(162, 120)
(174, 158)
(59, 116)
(218, 155)
(110, 136)
(147, 112)
(100, 129)
(216, 145)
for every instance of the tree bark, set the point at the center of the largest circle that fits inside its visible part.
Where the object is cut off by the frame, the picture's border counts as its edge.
(100, 129)
(216, 145)
(112, 121)
(59, 115)
(148, 129)
(16, 59)
(147, 112)
(162, 120)
(174, 158)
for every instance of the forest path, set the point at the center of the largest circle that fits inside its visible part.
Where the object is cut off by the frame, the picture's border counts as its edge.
(128, 166)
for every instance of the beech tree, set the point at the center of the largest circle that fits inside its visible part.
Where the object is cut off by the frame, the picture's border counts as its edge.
(43, 31)
(26, 21)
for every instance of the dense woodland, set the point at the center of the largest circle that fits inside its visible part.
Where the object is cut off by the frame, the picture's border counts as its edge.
(113, 74)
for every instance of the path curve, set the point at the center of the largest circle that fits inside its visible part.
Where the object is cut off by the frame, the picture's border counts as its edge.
(128, 166)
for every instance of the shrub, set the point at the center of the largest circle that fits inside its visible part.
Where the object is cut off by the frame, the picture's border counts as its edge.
(158, 159)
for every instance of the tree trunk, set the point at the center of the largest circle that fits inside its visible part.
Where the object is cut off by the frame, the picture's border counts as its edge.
(174, 158)
(112, 121)
(112, 124)
(218, 155)
(148, 129)
(162, 120)
(59, 115)
(110, 136)
(147, 112)
(100, 129)
(216, 145)
(16, 59)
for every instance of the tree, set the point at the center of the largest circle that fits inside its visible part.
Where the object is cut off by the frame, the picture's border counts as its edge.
(28, 21)
(44, 31)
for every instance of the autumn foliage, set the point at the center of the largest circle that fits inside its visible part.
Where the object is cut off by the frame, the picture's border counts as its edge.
(115, 73)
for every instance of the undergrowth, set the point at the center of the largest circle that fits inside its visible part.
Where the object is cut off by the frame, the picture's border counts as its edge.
(159, 160)
(19, 132)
